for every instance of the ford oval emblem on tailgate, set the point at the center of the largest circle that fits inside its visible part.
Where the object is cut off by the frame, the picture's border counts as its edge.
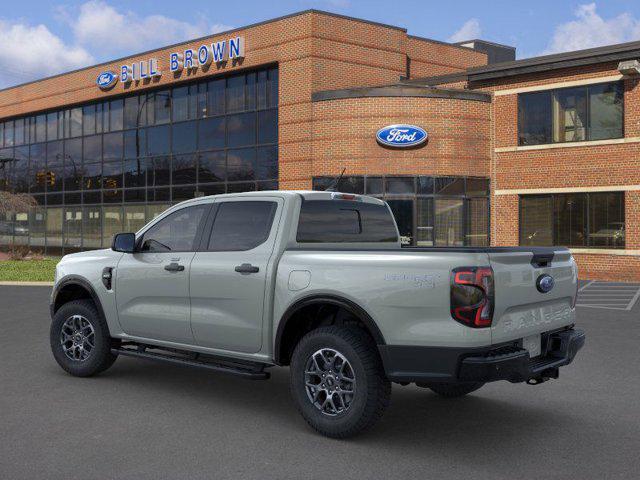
(545, 283)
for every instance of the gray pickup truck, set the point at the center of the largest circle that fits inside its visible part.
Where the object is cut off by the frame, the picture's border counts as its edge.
(319, 282)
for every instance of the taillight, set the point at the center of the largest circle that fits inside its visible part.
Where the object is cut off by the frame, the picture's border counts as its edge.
(472, 296)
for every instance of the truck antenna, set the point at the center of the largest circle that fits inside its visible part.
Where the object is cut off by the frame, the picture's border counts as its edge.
(336, 183)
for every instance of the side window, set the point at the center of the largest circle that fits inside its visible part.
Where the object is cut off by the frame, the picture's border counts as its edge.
(176, 232)
(241, 225)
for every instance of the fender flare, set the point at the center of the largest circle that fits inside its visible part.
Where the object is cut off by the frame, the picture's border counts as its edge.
(349, 305)
(81, 282)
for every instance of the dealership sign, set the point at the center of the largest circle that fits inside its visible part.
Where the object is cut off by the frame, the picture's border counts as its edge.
(106, 80)
(401, 136)
(189, 59)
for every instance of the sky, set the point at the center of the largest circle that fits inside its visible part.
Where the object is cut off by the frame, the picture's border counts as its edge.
(39, 38)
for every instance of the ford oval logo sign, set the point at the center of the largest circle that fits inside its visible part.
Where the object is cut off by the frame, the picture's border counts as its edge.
(401, 136)
(106, 80)
(545, 283)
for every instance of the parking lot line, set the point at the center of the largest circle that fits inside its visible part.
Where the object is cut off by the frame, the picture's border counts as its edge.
(610, 296)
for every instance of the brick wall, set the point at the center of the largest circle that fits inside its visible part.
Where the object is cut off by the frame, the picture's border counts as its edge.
(315, 51)
(567, 167)
(429, 58)
(344, 137)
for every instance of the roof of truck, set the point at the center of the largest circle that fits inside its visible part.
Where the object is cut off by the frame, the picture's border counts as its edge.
(306, 194)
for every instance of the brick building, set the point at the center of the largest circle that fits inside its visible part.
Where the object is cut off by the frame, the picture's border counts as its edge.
(534, 152)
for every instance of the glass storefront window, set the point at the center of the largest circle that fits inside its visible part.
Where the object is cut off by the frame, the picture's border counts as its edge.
(37, 226)
(211, 133)
(400, 185)
(199, 137)
(424, 228)
(134, 218)
(73, 227)
(54, 227)
(92, 227)
(112, 223)
(449, 222)
(477, 231)
(593, 220)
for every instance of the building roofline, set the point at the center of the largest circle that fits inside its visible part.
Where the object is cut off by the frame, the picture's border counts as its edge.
(435, 79)
(496, 44)
(225, 32)
(555, 61)
(441, 42)
(400, 90)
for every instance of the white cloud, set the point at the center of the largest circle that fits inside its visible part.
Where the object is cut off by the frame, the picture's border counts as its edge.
(98, 32)
(591, 30)
(29, 52)
(469, 31)
(107, 31)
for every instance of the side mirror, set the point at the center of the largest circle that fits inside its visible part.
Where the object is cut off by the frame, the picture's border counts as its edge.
(124, 242)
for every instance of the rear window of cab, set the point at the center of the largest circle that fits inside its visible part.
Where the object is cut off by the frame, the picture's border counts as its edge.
(342, 221)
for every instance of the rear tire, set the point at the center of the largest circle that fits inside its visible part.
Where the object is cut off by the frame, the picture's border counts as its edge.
(80, 340)
(453, 390)
(353, 380)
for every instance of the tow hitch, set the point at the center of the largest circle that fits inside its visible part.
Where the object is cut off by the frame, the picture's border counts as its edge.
(544, 376)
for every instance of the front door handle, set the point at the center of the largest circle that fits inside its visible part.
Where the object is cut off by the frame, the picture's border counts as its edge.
(246, 268)
(174, 267)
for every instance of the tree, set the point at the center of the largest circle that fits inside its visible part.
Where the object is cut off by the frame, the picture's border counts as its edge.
(15, 202)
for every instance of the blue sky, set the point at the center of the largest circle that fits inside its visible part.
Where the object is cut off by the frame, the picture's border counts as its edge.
(43, 37)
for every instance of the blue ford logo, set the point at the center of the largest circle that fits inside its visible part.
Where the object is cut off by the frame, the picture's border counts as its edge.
(106, 80)
(401, 136)
(545, 283)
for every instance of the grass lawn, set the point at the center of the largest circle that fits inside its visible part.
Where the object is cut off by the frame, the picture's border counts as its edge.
(28, 270)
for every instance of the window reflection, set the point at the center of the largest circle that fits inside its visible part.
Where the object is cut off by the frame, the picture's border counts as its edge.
(85, 162)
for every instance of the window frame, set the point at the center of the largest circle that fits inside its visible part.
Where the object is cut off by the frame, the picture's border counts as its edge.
(587, 219)
(552, 92)
(213, 214)
(197, 242)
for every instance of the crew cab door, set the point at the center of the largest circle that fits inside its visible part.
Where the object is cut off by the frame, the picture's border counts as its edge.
(152, 285)
(228, 277)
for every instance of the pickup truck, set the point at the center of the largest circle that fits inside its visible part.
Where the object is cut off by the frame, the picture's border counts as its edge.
(319, 282)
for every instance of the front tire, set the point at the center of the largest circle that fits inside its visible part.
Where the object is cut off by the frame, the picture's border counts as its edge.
(80, 340)
(338, 382)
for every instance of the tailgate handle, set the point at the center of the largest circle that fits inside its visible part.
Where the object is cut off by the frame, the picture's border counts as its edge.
(540, 260)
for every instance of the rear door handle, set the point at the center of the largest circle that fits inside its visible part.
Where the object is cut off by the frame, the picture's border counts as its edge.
(174, 267)
(247, 268)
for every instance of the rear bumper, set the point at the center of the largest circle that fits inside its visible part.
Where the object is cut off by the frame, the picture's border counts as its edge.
(408, 364)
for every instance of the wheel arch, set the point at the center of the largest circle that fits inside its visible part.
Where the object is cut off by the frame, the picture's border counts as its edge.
(71, 288)
(289, 318)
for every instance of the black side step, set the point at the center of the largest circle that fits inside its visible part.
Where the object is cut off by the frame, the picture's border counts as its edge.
(246, 370)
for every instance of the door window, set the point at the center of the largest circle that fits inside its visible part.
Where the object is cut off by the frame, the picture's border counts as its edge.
(176, 232)
(241, 225)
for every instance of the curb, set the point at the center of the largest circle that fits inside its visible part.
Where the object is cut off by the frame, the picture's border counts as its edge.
(27, 284)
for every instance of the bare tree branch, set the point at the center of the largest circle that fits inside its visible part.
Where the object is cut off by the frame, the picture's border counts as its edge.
(16, 202)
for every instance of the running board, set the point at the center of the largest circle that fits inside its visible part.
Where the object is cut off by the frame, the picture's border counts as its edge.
(231, 367)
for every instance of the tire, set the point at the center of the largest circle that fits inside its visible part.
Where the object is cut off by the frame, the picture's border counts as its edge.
(453, 390)
(349, 413)
(94, 357)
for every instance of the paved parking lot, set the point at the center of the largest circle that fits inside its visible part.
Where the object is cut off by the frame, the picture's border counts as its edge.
(144, 420)
(608, 295)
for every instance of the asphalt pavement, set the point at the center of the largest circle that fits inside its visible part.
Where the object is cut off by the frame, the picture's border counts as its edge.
(145, 420)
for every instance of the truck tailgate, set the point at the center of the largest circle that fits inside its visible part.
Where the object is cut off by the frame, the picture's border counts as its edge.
(521, 309)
